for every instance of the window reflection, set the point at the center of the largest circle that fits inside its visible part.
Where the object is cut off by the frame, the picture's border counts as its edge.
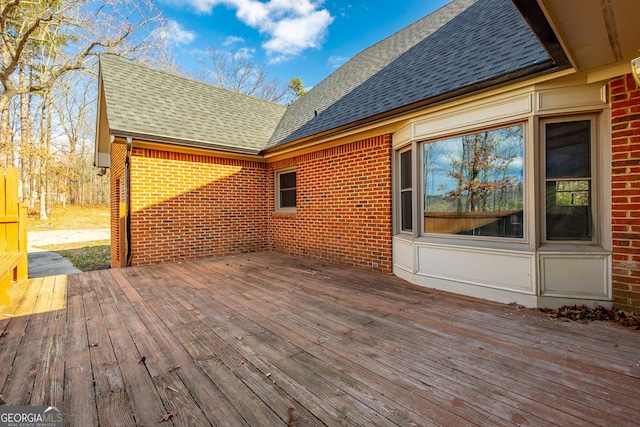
(473, 184)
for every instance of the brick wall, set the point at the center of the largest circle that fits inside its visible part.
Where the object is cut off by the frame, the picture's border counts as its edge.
(343, 209)
(625, 112)
(118, 153)
(186, 206)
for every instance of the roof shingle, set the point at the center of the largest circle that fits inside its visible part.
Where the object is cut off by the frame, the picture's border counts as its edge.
(461, 45)
(151, 104)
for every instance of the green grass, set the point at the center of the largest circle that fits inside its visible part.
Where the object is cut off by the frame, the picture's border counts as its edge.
(85, 256)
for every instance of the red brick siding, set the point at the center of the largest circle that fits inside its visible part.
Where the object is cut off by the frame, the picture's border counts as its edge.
(343, 209)
(187, 206)
(625, 139)
(118, 153)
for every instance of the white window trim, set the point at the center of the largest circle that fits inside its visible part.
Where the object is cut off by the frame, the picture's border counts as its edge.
(276, 177)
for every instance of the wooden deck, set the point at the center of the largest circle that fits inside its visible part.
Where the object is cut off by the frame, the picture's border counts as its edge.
(271, 340)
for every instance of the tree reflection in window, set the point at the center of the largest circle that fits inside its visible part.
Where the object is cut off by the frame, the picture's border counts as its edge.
(473, 184)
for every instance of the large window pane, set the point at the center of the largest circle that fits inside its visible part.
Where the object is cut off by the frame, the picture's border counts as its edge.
(473, 184)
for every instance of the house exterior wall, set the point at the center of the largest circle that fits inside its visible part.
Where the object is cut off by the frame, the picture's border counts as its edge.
(188, 205)
(625, 133)
(343, 211)
(530, 269)
(118, 153)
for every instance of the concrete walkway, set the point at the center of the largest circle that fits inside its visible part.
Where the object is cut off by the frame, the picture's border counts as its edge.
(43, 263)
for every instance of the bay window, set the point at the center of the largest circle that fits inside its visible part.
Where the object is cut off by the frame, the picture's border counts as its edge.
(509, 197)
(473, 184)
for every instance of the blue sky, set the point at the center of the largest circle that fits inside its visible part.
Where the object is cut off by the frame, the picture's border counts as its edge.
(308, 39)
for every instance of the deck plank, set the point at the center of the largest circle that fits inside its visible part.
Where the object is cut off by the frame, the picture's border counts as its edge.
(249, 339)
(166, 326)
(365, 376)
(13, 322)
(49, 377)
(145, 402)
(198, 331)
(19, 384)
(79, 390)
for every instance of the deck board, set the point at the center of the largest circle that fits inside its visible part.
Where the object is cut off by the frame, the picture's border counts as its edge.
(267, 339)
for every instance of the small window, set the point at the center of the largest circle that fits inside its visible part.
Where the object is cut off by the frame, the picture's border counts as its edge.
(568, 180)
(286, 191)
(406, 192)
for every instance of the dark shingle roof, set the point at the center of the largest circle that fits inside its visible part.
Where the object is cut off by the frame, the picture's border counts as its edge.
(151, 104)
(465, 45)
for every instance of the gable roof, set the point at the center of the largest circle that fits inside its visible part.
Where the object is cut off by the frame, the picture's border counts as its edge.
(466, 45)
(463, 47)
(154, 105)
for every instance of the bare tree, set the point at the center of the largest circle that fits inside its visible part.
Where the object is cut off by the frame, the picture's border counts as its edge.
(41, 42)
(234, 70)
(67, 33)
(481, 171)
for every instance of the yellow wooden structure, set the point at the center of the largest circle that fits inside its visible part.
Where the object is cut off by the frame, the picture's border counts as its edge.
(13, 234)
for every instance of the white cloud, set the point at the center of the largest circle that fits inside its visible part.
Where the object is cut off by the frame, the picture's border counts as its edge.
(174, 33)
(337, 61)
(231, 40)
(201, 6)
(244, 53)
(291, 26)
(291, 36)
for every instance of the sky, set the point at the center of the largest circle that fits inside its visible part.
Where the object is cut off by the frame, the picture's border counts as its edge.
(307, 39)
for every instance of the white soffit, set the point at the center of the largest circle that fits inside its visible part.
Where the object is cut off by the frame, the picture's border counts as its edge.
(595, 33)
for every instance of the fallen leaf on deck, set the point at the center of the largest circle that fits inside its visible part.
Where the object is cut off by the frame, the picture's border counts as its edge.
(292, 421)
(583, 314)
(167, 416)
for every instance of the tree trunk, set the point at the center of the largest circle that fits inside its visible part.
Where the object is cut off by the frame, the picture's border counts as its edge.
(25, 140)
(6, 137)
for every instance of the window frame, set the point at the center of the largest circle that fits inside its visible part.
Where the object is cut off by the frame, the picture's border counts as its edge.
(594, 181)
(278, 191)
(401, 190)
(527, 184)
